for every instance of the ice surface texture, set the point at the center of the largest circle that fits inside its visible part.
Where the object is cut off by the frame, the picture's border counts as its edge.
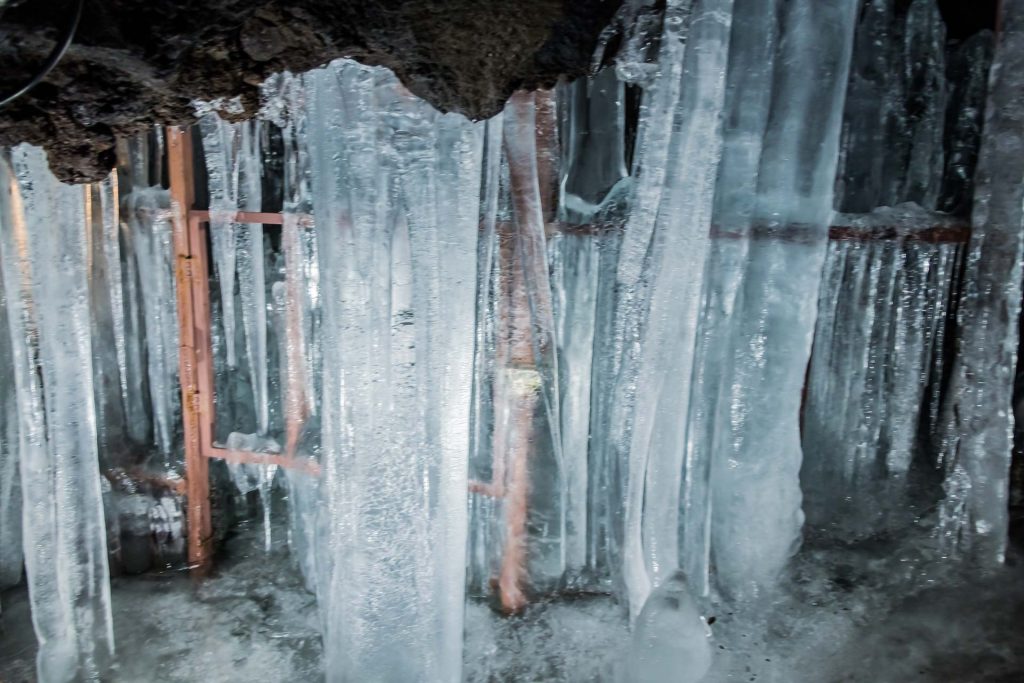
(45, 280)
(395, 193)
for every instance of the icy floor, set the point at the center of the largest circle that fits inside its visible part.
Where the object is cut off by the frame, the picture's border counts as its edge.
(837, 623)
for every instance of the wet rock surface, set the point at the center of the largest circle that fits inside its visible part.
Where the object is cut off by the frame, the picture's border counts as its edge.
(135, 63)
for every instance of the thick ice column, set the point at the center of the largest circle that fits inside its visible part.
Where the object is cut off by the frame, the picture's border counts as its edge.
(660, 274)
(756, 515)
(398, 316)
(43, 257)
(975, 509)
(752, 47)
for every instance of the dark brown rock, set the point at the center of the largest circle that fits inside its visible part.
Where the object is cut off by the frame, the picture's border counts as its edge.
(135, 63)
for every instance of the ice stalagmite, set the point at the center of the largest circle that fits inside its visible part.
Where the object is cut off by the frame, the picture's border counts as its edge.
(755, 464)
(671, 641)
(977, 484)
(660, 273)
(43, 257)
(396, 199)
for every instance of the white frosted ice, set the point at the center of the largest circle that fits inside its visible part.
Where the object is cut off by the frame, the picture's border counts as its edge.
(43, 255)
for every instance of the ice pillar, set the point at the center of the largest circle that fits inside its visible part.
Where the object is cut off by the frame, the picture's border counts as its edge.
(659, 278)
(977, 485)
(44, 260)
(755, 465)
(396, 198)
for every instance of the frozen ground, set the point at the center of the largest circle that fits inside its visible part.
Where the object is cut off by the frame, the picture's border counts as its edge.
(837, 623)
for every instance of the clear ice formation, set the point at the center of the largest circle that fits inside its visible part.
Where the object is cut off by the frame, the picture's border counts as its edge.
(148, 213)
(755, 459)
(45, 280)
(980, 442)
(585, 346)
(659, 278)
(876, 371)
(396, 187)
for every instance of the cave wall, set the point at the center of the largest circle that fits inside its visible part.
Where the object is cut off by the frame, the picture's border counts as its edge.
(135, 63)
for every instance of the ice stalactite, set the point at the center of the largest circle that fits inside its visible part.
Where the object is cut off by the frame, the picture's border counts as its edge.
(978, 453)
(43, 254)
(396, 200)
(148, 212)
(251, 266)
(877, 354)
(755, 462)
(11, 554)
(968, 72)
(527, 376)
(896, 109)
(106, 308)
(594, 180)
(220, 147)
(659, 278)
(593, 122)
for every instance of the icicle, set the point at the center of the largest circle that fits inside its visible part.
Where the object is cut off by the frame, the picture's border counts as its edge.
(220, 147)
(969, 70)
(576, 265)
(11, 554)
(149, 216)
(977, 487)
(104, 292)
(252, 269)
(660, 273)
(593, 150)
(137, 413)
(43, 248)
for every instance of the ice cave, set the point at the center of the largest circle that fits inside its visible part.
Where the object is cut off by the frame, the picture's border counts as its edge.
(427, 341)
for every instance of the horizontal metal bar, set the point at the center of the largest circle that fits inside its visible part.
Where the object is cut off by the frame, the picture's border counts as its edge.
(301, 464)
(267, 218)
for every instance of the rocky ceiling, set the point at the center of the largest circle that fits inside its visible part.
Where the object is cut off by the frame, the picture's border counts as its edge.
(135, 63)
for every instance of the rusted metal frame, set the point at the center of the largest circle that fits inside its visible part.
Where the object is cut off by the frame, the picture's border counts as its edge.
(197, 482)
(198, 227)
(266, 218)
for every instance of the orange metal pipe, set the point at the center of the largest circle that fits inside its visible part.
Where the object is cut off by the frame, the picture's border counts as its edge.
(197, 481)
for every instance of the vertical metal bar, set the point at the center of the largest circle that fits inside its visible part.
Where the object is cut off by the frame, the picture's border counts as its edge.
(179, 163)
